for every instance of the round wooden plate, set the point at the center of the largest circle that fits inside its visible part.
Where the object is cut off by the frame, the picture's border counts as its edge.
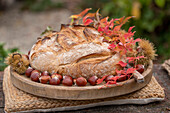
(79, 93)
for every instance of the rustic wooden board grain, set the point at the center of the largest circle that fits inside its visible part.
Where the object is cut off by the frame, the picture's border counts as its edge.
(79, 93)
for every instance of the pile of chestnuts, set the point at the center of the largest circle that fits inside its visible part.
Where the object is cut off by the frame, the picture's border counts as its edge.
(57, 79)
(67, 80)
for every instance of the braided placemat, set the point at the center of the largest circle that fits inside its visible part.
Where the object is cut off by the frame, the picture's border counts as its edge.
(19, 101)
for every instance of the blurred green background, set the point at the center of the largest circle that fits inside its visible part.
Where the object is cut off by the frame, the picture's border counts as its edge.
(151, 18)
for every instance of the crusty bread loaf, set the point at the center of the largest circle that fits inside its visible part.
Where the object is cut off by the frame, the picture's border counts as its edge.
(76, 51)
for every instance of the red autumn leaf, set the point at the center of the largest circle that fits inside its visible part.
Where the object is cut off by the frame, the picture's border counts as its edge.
(122, 63)
(119, 72)
(130, 49)
(122, 39)
(81, 14)
(116, 19)
(130, 70)
(88, 21)
(114, 78)
(106, 29)
(100, 29)
(122, 49)
(128, 35)
(126, 19)
(117, 28)
(104, 20)
(121, 19)
(130, 29)
(110, 82)
(111, 24)
(137, 40)
(112, 46)
(88, 15)
(131, 59)
(84, 12)
(99, 81)
(139, 57)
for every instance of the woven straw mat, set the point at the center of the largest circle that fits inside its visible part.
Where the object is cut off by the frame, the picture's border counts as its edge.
(20, 101)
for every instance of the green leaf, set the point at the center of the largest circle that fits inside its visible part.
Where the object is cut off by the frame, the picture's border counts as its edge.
(48, 29)
(13, 50)
(160, 3)
(2, 66)
(3, 52)
(145, 2)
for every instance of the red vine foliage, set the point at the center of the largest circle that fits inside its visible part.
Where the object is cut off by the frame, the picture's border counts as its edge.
(120, 41)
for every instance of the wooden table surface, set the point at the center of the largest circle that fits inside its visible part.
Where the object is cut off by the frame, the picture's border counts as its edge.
(157, 107)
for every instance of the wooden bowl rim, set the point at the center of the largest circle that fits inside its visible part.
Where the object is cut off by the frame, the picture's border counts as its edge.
(61, 87)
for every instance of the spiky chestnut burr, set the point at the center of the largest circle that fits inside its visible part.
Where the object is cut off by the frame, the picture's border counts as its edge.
(146, 49)
(18, 62)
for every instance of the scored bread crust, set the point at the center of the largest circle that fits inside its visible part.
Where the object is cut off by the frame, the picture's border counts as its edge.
(76, 51)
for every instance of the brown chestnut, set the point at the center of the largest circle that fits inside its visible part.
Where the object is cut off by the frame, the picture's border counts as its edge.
(81, 81)
(35, 71)
(57, 75)
(108, 78)
(93, 80)
(44, 79)
(54, 81)
(35, 75)
(45, 73)
(67, 80)
(122, 78)
(140, 68)
(28, 71)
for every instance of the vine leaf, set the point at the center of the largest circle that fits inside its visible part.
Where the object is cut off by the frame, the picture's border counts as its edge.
(88, 21)
(48, 29)
(121, 63)
(80, 15)
(99, 81)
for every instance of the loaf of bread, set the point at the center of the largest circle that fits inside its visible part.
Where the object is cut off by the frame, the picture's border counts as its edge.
(75, 51)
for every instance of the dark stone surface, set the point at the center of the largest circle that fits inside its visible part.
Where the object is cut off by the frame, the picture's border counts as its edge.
(156, 107)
